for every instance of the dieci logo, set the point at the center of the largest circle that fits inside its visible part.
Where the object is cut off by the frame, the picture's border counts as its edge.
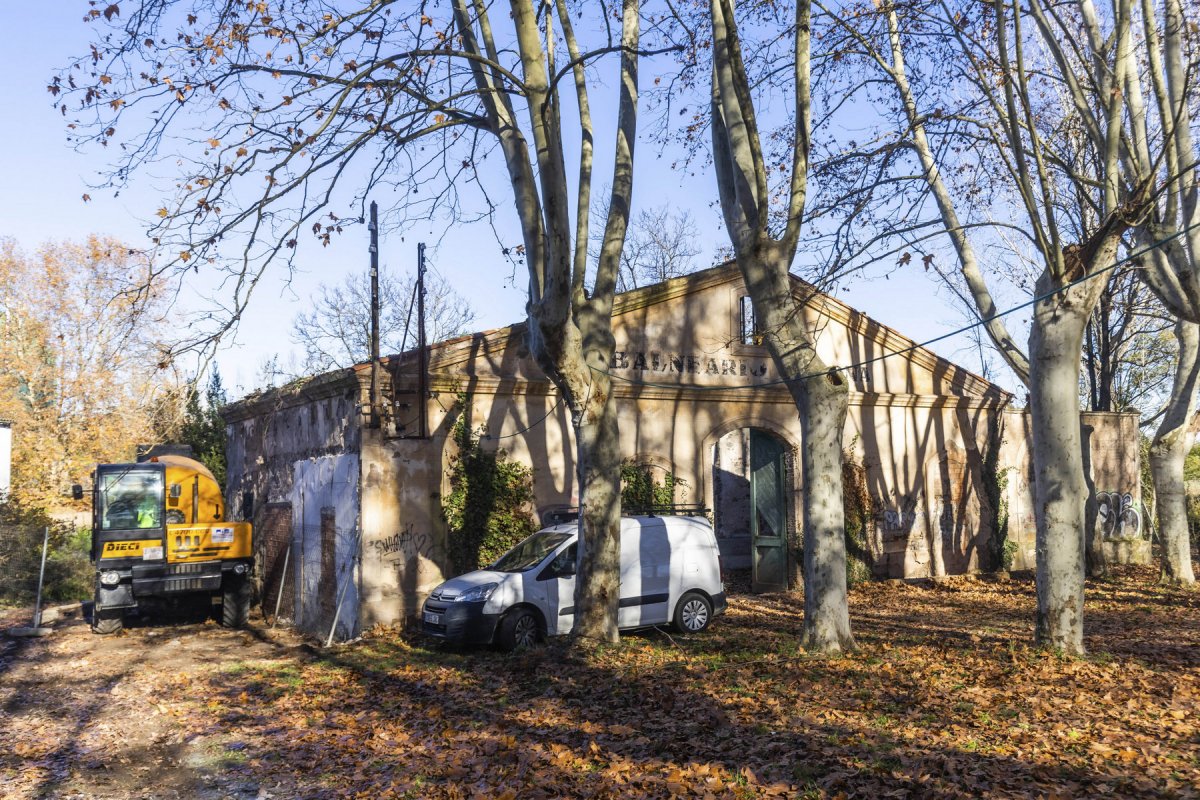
(134, 548)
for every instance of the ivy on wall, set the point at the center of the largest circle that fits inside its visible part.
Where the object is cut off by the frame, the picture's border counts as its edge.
(641, 492)
(1001, 549)
(487, 508)
(858, 513)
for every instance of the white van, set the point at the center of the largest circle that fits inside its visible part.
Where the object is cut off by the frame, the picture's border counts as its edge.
(670, 572)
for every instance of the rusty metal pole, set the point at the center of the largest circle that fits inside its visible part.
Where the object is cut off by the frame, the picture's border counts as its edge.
(374, 228)
(422, 355)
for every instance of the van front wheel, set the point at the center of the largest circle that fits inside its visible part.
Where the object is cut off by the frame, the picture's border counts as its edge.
(693, 613)
(518, 630)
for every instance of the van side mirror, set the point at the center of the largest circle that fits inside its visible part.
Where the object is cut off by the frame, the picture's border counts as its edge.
(76, 491)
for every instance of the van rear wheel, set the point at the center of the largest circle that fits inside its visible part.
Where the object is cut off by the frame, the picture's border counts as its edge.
(518, 630)
(693, 613)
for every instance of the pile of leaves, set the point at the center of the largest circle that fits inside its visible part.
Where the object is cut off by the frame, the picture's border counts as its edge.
(944, 698)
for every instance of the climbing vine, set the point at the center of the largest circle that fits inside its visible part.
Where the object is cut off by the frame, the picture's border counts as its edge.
(487, 508)
(1002, 550)
(641, 492)
(858, 511)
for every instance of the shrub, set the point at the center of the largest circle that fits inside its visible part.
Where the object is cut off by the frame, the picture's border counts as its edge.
(486, 510)
(641, 492)
(68, 570)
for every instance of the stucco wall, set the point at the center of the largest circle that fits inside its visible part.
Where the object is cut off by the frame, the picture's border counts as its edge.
(297, 450)
(403, 550)
(934, 440)
(1112, 450)
(267, 434)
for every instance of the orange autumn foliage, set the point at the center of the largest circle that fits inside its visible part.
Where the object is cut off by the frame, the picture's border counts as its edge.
(81, 332)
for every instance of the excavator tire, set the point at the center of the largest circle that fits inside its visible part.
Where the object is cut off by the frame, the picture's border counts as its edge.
(235, 601)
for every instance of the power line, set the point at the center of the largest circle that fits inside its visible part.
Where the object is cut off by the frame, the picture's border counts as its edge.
(532, 425)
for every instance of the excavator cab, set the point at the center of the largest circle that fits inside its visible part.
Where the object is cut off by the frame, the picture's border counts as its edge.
(158, 532)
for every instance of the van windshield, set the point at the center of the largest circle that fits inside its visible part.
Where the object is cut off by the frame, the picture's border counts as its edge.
(531, 552)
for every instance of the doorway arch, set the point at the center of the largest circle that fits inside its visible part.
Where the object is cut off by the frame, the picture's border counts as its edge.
(753, 500)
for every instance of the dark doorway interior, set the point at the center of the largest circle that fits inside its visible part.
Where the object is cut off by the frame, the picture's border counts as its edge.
(750, 503)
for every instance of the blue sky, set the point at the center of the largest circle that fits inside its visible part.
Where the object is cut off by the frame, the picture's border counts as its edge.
(44, 181)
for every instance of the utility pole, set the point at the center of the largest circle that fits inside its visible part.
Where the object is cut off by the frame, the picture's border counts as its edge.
(374, 229)
(422, 356)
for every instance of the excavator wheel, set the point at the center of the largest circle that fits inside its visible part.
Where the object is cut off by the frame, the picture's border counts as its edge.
(235, 601)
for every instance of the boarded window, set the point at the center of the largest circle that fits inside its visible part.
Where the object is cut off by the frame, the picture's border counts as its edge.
(327, 587)
(274, 533)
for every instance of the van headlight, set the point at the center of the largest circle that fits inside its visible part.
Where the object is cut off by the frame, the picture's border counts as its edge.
(477, 593)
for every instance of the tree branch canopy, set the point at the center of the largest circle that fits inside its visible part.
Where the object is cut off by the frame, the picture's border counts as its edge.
(274, 119)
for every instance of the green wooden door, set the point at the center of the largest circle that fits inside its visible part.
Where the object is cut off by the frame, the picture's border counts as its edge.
(768, 513)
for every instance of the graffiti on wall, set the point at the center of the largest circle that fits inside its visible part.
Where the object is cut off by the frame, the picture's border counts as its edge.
(897, 521)
(1117, 516)
(404, 545)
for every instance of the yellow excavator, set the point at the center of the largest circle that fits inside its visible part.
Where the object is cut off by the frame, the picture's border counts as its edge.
(160, 530)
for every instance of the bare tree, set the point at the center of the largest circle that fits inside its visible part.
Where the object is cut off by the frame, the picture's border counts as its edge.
(1161, 148)
(274, 111)
(1040, 112)
(661, 244)
(764, 254)
(1126, 353)
(336, 332)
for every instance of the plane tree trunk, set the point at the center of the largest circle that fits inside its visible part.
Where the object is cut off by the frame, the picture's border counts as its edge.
(765, 258)
(1172, 441)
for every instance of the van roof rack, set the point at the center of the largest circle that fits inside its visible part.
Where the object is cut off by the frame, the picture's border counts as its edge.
(695, 510)
(560, 514)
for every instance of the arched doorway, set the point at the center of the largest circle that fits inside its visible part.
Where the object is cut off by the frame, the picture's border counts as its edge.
(752, 483)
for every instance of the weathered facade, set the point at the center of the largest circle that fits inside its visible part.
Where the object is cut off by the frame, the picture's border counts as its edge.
(355, 510)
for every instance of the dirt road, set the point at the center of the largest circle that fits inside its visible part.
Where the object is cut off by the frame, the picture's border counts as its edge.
(85, 716)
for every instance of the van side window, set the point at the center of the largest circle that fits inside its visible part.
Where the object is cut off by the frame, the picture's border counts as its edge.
(563, 565)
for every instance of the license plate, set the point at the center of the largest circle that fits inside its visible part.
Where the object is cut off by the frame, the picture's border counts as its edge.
(222, 535)
(152, 553)
(433, 619)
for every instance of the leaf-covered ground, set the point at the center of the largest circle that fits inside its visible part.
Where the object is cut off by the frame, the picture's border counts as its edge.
(944, 699)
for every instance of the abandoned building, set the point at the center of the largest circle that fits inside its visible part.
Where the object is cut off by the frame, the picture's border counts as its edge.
(348, 512)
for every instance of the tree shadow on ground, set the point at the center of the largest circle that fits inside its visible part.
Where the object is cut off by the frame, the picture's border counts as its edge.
(737, 714)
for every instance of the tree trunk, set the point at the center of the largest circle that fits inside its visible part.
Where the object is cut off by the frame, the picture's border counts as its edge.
(1172, 441)
(599, 469)
(1097, 565)
(822, 407)
(821, 399)
(1060, 490)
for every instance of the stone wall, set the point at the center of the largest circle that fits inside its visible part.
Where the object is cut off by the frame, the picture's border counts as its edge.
(1118, 520)
(293, 456)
